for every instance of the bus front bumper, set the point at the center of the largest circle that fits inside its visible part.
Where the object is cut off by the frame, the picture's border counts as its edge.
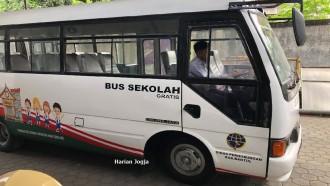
(280, 168)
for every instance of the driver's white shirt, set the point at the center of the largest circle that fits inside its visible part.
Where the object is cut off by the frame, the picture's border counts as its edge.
(198, 68)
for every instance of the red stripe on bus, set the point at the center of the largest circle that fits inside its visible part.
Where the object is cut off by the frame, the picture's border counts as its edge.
(95, 143)
(95, 137)
(233, 172)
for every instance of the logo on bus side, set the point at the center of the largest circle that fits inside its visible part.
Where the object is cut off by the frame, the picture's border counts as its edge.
(236, 141)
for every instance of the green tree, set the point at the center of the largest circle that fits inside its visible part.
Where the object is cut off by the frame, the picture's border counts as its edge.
(87, 1)
(10, 5)
(313, 9)
(45, 3)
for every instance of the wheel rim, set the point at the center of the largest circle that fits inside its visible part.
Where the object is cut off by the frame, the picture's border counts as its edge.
(187, 160)
(4, 134)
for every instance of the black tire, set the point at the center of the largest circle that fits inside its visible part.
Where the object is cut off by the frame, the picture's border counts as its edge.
(189, 161)
(8, 142)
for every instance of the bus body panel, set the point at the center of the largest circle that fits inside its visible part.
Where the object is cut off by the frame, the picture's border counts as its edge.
(111, 9)
(280, 168)
(248, 158)
(285, 116)
(124, 115)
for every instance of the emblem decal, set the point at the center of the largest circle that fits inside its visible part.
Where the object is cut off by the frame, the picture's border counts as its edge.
(236, 141)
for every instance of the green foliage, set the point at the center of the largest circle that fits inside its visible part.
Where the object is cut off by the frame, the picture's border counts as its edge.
(10, 5)
(77, 2)
(45, 3)
(313, 9)
(74, 2)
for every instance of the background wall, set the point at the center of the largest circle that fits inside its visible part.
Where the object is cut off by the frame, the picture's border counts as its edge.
(316, 51)
(314, 55)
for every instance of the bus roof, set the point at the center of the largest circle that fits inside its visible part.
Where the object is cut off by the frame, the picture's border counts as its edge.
(112, 9)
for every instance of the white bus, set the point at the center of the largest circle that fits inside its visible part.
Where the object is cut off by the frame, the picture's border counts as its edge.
(114, 78)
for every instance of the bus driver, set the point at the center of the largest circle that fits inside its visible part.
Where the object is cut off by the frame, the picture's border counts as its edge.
(222, 95)
(198, 66)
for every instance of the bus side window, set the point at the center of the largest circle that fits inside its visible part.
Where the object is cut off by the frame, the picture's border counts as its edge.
(71, 63)
(169, 62)
(149, 56)
(19, 60)
(28, 51)
(228, 55)
(52, 62)
(44, 57)
(168, 47)
(129, 57)
(121, 47)
(225, 59)
(2, 62)
(160, 56)
(90, 63)
(2, 57)
(106, 59)
(107, 55)
(83, 56)
(2, 51)
(52, 56)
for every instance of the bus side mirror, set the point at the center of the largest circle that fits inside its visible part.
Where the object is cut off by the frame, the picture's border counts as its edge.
(299, 28)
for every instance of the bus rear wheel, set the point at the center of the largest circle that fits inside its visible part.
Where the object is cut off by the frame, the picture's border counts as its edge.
(8, 142)
(189, 161)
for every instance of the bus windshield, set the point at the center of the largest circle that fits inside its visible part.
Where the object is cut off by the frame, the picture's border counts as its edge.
(274, 49)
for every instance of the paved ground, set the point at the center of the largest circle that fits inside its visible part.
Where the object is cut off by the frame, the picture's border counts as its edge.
(73, 167)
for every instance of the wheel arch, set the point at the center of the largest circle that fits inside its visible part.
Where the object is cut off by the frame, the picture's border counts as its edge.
(157, 142)
(8, 142)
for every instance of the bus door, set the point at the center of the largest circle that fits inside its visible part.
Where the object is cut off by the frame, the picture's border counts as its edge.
(224, 101)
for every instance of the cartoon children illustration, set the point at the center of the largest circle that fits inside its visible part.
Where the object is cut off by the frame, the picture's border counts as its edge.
(37, 108)
(46, 109)
(57, 112)
(28, 111)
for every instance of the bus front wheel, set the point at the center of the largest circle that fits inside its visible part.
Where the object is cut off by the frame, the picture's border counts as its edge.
(189, 161)
(8, 142)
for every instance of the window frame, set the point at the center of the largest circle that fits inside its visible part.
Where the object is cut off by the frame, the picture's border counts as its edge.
(245, 45)
(3, 41)
(62, 40)
(8, 42)
(139, 37)
(260, 83)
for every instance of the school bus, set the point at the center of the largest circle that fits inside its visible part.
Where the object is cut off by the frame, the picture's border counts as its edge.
(114, 78)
